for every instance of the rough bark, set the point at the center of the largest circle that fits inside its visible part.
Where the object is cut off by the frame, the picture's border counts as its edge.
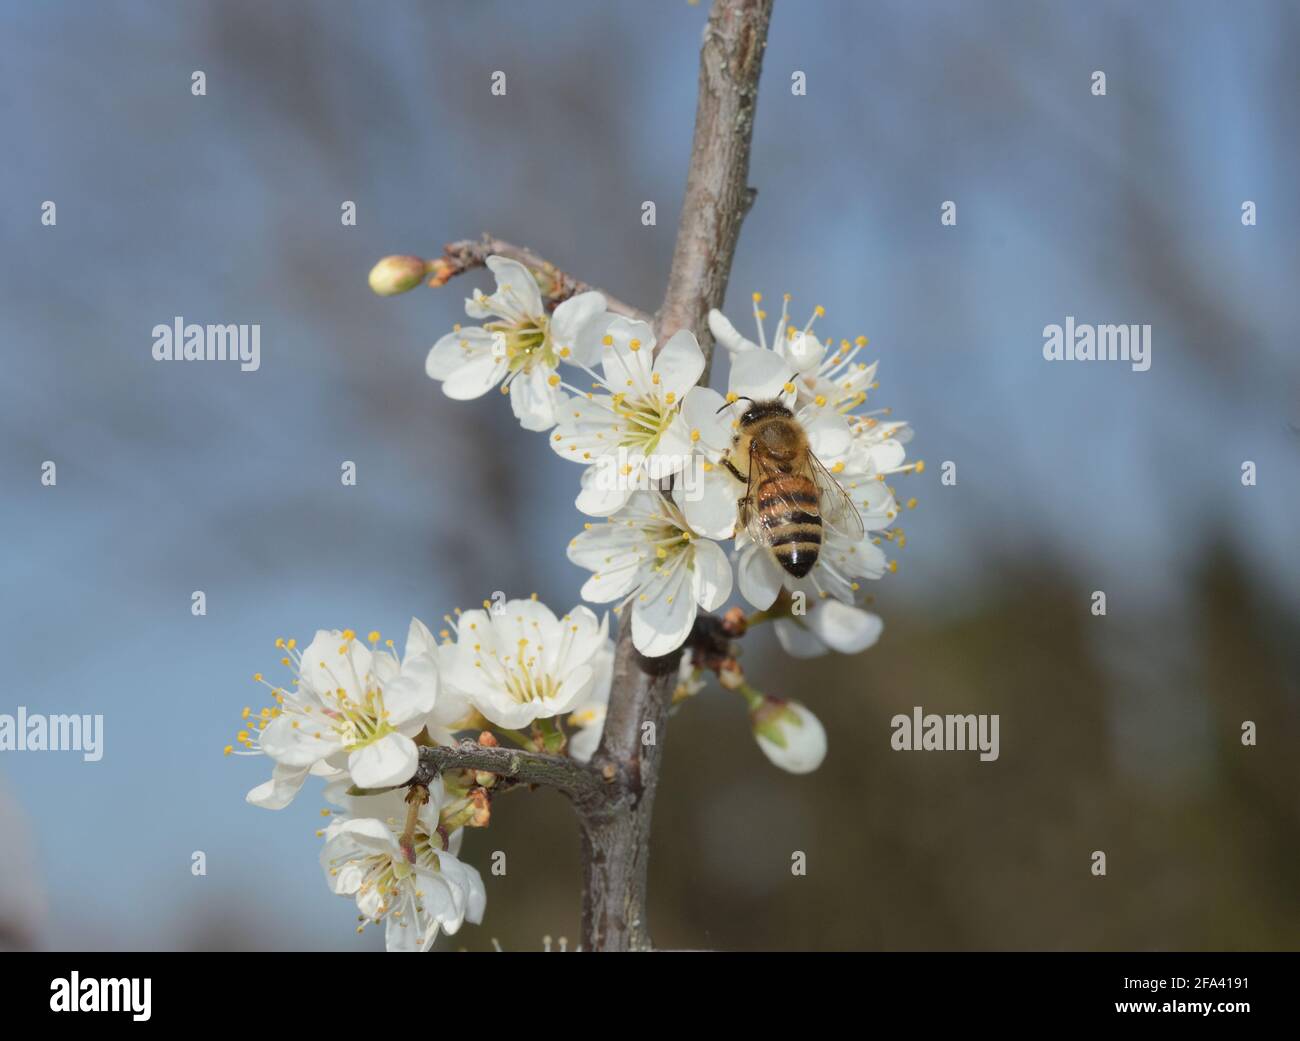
(616, 833)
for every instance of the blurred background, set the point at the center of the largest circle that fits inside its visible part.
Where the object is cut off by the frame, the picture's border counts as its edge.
(1119, 733)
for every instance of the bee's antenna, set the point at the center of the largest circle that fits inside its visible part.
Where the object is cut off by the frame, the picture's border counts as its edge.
(739, 397)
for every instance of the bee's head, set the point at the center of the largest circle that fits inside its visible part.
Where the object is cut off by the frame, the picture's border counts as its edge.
(760, 410)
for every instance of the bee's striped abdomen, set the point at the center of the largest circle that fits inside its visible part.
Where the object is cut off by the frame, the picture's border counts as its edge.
(787, 507)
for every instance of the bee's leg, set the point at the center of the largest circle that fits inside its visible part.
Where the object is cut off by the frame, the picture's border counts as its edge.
(734, 472)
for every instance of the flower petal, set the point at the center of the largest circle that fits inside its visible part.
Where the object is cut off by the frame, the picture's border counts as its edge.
(569, 323)
(390, 760)
(759, 576)
(474, 379)
(536, 403)
(760, 375)
(278, 792)
(712, 575)
(679, 363)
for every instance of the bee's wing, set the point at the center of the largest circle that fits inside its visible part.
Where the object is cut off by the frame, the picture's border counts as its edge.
(750, 517)
(837, 508)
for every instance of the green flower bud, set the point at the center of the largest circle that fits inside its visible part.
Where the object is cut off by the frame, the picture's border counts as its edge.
(394, 275)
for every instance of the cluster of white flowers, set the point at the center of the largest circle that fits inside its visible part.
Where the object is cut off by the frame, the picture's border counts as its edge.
(654, 447)
(662, 483)
(354, 714)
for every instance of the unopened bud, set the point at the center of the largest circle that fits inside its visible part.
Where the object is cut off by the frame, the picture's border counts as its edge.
(482, 808)
(730, 675)
(396, 274)
(788, 734)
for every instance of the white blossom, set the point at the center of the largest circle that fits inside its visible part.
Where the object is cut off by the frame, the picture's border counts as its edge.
(519, 349)
(647, 555)
(351, 712)
(521, 663)
(416, 890)
(629, 430)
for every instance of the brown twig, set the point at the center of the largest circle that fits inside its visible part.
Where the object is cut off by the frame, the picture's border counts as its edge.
(556, 285)
(717, 193)
(555, 771)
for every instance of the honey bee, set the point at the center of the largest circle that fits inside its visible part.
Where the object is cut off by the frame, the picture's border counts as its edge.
(789, 495)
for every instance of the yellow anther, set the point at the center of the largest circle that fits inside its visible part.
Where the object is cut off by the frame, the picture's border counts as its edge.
(758, 297)
(862, 341)
(670, 397)
(607, 340)
(788, 388)
(819, 311)
(257, 677)
(732, 396)
(695, 435)
(920, 466)
(820, 401)
(291, 644)
(553, 380)
(911, 504)
(228, 749)
(893, 565)
(374, 636)
(634, 345)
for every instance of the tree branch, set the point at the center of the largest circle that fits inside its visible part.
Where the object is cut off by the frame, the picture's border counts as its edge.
(555, 771)
(556, 285)
(616, 833)
(717, 195)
